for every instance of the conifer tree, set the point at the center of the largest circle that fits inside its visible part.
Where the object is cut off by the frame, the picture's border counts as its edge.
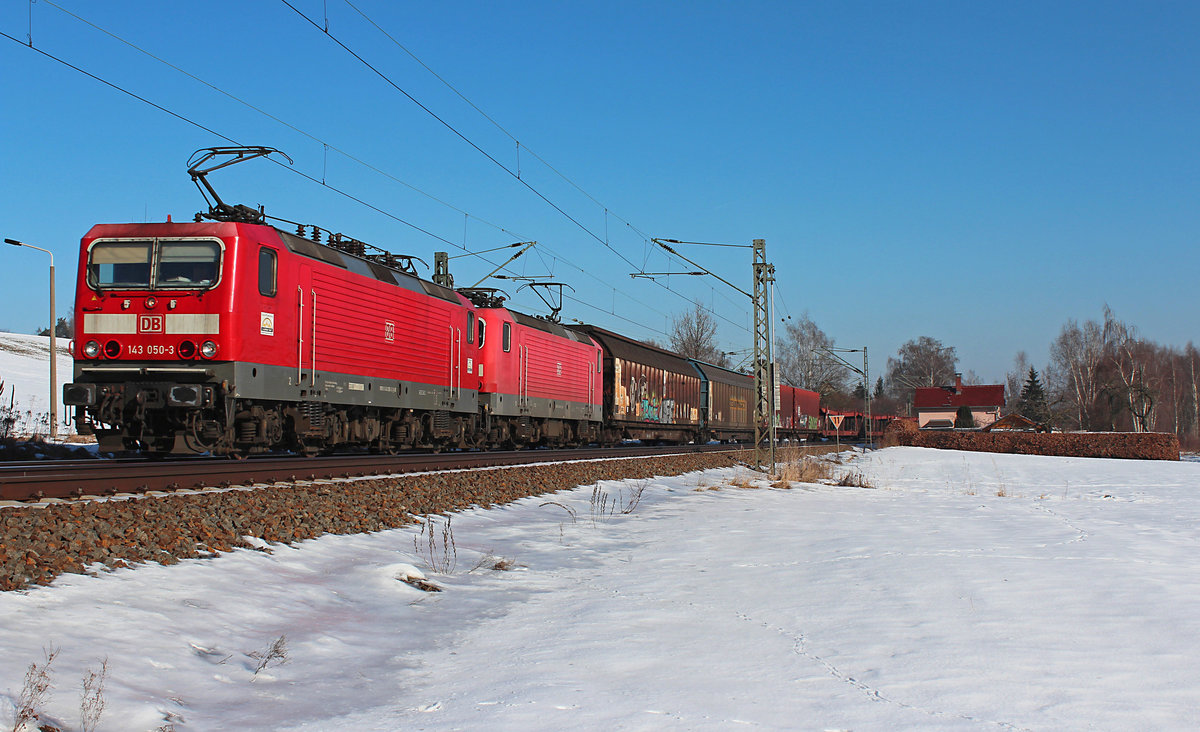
(1032, 403)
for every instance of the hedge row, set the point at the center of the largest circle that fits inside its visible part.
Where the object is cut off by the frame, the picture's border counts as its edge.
(1128, 445)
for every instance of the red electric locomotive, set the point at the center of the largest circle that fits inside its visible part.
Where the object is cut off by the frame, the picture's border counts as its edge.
(236, 337)
(539, 382)
(233, 336)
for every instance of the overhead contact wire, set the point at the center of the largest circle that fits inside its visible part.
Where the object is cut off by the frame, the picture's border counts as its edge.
(232, 141)
(226, 138)
(489, 118)
(479, 149)
(283, 122)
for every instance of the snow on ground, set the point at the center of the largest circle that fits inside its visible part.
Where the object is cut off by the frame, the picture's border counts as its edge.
(963, 591)
(25, 371)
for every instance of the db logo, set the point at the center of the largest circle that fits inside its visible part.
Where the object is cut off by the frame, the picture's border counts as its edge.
(150, 324)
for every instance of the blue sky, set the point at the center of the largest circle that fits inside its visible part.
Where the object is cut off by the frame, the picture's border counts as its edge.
(974, 172)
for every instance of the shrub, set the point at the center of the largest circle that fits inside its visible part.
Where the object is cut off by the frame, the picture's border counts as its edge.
(35, 692)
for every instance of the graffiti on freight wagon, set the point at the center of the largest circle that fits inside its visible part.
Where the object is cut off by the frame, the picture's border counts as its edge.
(642, 403)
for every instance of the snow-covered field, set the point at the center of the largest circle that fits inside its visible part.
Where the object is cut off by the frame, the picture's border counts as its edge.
(963, 591)
(25, 371)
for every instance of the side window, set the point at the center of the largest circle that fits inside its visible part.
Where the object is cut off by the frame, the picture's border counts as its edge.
(470, 327)
(507, 337)
(482, 331)
(266, 272)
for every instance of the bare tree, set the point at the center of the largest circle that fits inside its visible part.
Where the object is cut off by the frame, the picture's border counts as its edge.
(1171, 368)
(694, 335)
(1192, 355)
(801, 362)
(918, 363)
(1014, 380)
(1130, 356)
(1074, 373)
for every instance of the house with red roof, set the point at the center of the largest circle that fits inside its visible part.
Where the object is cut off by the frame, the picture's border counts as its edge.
(937, 406)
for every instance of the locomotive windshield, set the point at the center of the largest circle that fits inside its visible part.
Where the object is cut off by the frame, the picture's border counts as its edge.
(154, 264)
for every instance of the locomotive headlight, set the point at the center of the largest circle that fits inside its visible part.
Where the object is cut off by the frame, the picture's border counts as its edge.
(208, 349)
(91, 349)
(112, 349)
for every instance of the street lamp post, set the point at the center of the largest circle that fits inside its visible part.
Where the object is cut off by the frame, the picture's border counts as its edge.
(53, 350)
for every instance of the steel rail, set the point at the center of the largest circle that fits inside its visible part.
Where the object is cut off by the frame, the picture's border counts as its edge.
(69, 479)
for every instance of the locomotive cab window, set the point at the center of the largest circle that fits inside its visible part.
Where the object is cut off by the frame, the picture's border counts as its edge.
(188, 263)
(470, 327)
(507, 337)
(120, 264)
(154, 264)
(482, 331)
(266, 272)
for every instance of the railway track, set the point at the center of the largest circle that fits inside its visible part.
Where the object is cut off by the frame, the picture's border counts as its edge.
(25, 481)
(41, 540)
